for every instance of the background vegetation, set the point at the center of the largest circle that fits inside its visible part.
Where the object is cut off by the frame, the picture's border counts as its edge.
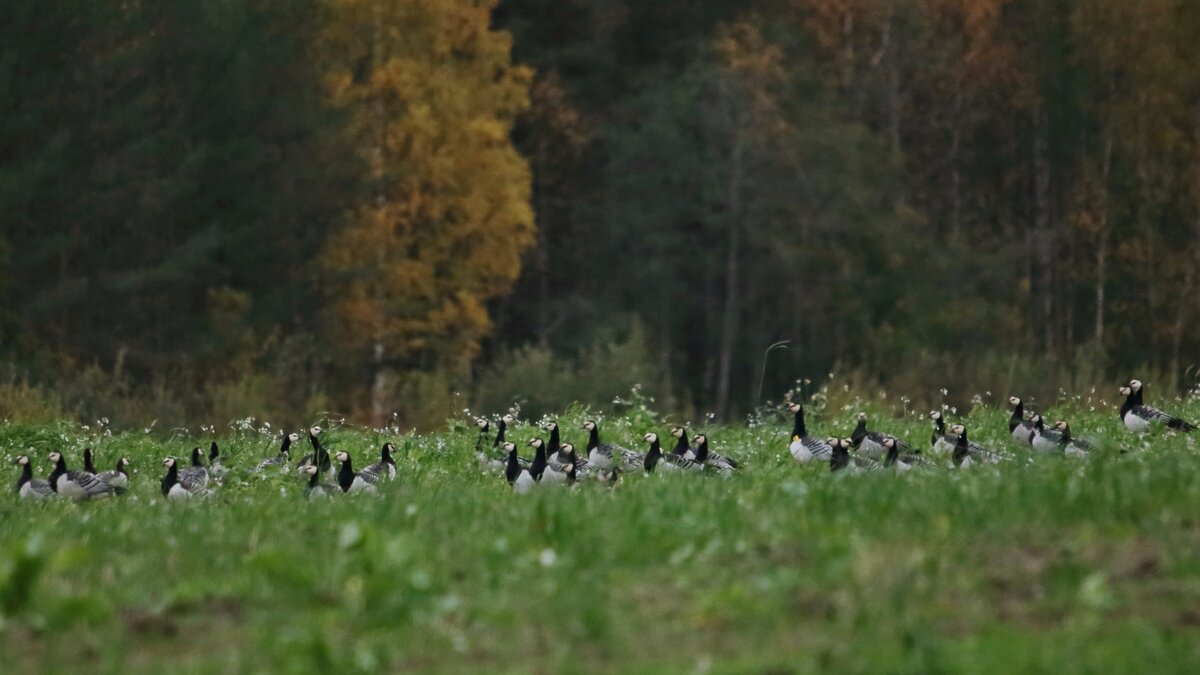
(393, 209)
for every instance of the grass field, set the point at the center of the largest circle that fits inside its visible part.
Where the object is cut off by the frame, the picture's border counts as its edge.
(1038, 564)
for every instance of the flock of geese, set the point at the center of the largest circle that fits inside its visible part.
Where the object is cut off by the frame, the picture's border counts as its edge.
(198, 479)
(557, 463)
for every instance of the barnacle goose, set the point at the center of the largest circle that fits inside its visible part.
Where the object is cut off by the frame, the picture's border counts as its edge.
(215, 468)
(542, 469)
(496, 459)
(711, 459)
(682, 449)
(315, 487)
(29, 487)
(80, 485)
(805, 448)
(670, 462)
(319, 455)
(196, 473)
(349, 480)
(555, 462)
(567, 452)
(870, 443)
(1138, 416)
(841, 459)
(88, 463)
(1045, 440)
(1072, 447)
(962, 447)
(518, 477)
(1020, 428)
(894, 459)
(118, 478)
(385, 468)
(285, 454)
(175, 489)
(604, 455)
(946, 444)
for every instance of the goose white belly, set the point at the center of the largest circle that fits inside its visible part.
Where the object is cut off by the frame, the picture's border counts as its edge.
(1135, 422)
(524, 482)
(1044, 444)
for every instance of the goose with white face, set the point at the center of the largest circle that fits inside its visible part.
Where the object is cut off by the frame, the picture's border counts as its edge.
(1020, 428)
(283, 457)
(803, 447)
(29, 487)
(78, 485)
(1139, 417)
(350, 480)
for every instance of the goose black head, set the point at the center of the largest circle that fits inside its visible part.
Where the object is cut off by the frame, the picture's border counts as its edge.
(862, 417)
(889, 442)
(844, 443)
(341, 456)
(1135, 385)
(958, 430)
(508, 418)
(1013, 400)
(794, 407)
(650, 437)
(293, 437)
(169, 462)
(677, 432)
(550, 426)
(22, 460)
(481, 423)
(536, 443)
(197, 456)
(1125, 390)
(832, 441)
(315, 430)
(55, 456)
(309, 469)
(123, 464)
(1062, 425)
(566, 448)
(589, 425)
(509, 446)
(700, 439)
(935, 415)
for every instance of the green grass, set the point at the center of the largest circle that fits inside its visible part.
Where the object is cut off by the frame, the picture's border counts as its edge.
(1041, 564)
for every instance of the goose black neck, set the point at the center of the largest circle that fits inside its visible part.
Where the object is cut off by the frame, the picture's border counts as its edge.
(197, 457)
(961, 448)
(893, 454)
(60, 467)
(313, 480)
(345, 475)
(500, 429)
(1138, 396)
(213, 452)
(859, 432)
(538, 467)
(555, 443)
(593, 438)
(798, 430)
(512, 470)
(681, 444)
(320, 455)
(571, 459)
(840, 457)
(26, 474)
(170, 479)
(702, 451)
(88, 464)
(940, 424)
(385, 455)
(653, 455)
(1130, 402)
(287, 445)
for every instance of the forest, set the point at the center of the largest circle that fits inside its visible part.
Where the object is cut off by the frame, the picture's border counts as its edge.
(399, 209)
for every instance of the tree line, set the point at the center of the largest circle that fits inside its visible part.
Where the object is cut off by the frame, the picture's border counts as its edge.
(397, 208)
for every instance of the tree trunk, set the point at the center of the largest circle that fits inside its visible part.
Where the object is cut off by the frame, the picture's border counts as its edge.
(379, 388)
(1043, 236)
(729, 315)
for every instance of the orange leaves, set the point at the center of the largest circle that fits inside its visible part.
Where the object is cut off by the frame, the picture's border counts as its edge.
(433, 96)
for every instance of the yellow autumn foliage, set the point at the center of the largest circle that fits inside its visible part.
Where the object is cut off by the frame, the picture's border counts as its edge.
(433, 96)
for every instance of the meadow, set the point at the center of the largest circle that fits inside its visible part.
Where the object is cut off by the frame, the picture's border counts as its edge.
(1038, 564)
